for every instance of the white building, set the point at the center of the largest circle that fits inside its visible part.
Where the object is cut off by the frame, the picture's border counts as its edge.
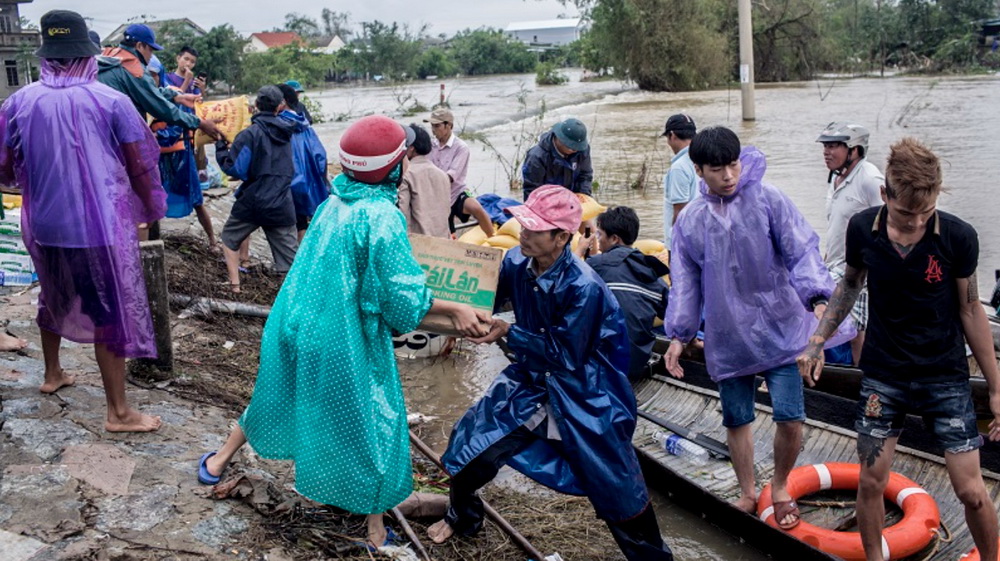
(547, 33)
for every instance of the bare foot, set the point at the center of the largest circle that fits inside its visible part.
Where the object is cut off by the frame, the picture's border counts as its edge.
(440, 532)
(133, 421)
(54, 383)
(376, 530)
(746, 504)
(10, 343)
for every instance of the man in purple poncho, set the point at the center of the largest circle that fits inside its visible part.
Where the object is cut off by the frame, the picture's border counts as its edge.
(745, 254)
(87, 165)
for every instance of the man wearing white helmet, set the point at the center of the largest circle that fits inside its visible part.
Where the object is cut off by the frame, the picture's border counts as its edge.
(854, 185)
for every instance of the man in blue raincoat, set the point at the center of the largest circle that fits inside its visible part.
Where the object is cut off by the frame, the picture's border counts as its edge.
(563, 413)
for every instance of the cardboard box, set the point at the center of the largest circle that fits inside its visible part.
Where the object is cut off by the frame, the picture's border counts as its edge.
(457, 272)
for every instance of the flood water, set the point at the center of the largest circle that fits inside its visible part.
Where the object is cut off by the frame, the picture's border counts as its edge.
(956, 116)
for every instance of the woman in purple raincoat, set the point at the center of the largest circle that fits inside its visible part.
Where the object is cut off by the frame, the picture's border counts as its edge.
(87, 165)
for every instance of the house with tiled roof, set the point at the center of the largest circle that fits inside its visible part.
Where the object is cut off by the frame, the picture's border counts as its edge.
(265, 40)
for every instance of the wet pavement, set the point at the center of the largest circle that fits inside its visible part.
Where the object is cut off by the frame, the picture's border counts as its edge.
(69, 490)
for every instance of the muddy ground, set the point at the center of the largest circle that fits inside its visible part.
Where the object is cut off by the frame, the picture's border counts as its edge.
(70, 490)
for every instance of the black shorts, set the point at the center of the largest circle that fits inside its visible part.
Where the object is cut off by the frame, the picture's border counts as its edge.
(87, 273)
(457, 211)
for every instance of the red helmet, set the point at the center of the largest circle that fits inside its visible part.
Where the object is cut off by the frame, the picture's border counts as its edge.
(371, 148)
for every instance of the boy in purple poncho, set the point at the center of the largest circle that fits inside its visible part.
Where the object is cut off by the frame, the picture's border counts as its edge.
(87, 165)
(744, 252)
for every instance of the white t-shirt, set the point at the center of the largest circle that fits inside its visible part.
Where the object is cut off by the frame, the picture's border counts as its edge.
(858, 191)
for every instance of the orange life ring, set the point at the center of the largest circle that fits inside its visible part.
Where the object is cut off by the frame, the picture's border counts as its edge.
(911, 534)
(971, 556)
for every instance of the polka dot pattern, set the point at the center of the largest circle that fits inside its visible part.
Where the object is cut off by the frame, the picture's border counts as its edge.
(328, 394)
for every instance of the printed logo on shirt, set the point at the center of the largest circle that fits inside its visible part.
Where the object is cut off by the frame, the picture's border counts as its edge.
(933, 272)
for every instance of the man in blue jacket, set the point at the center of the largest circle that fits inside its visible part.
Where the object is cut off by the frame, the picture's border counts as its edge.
(563, 413)
(561, 157)
(261, 156)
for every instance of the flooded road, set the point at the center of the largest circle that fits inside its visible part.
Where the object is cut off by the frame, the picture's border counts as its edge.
(502, 116)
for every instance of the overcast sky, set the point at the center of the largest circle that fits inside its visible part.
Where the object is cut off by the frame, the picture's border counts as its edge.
(247, 16)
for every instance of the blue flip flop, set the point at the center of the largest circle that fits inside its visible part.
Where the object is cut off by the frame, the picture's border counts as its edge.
(204, 477)
(390, 538)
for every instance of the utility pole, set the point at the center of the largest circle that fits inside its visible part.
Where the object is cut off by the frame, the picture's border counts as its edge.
(746, 59)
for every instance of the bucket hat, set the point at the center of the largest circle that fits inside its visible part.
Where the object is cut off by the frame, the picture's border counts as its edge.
(572, 133)
(64, 35)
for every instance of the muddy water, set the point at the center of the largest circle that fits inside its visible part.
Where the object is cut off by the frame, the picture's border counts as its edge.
(956, 116)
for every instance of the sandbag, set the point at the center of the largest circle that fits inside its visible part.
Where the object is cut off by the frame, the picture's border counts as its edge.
(475, 236)
(510, 228)
(233, 115)
(503, 241)
(591, 208)
(649, 247)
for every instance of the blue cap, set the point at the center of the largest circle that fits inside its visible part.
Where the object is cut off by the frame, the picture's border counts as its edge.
(94, 37)
(295, 85)
(142, 33)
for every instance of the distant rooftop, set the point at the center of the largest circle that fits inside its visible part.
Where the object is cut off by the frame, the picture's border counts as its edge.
(277, 38)
(570, 23)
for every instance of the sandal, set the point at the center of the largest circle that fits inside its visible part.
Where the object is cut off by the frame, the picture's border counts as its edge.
(204, 477)
(783, 509)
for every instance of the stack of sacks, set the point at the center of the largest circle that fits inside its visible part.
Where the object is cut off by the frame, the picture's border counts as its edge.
(508, 235)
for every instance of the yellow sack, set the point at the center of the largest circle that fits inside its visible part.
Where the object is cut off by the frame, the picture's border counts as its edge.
(475, 236)
(591, 208)
(510, 228)
(10, 202)
(649, 247)
(233, 115)
(503, 241)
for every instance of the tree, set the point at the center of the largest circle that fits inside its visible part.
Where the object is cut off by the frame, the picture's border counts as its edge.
(662, 45)
(336, 24)
(284, 63)
(786, 39)
(301, 24)
(490, 51)
(387, 49)
(435, 61)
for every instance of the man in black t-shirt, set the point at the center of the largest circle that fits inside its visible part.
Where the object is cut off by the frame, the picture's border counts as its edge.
(920, 264)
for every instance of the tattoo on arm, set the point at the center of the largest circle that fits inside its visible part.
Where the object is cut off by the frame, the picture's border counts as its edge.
(841, 302)
(869, 448)
(973, 291)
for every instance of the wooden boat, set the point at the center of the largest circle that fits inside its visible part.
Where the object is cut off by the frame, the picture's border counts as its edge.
(834, 401)
(710, 488)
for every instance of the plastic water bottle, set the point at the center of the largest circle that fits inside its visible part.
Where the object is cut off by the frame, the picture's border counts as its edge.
(682, 447)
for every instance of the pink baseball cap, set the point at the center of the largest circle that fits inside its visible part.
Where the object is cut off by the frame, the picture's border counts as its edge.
(549, 207)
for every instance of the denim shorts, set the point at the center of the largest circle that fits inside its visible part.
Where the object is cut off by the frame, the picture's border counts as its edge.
(946, 408)
(783, 383)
